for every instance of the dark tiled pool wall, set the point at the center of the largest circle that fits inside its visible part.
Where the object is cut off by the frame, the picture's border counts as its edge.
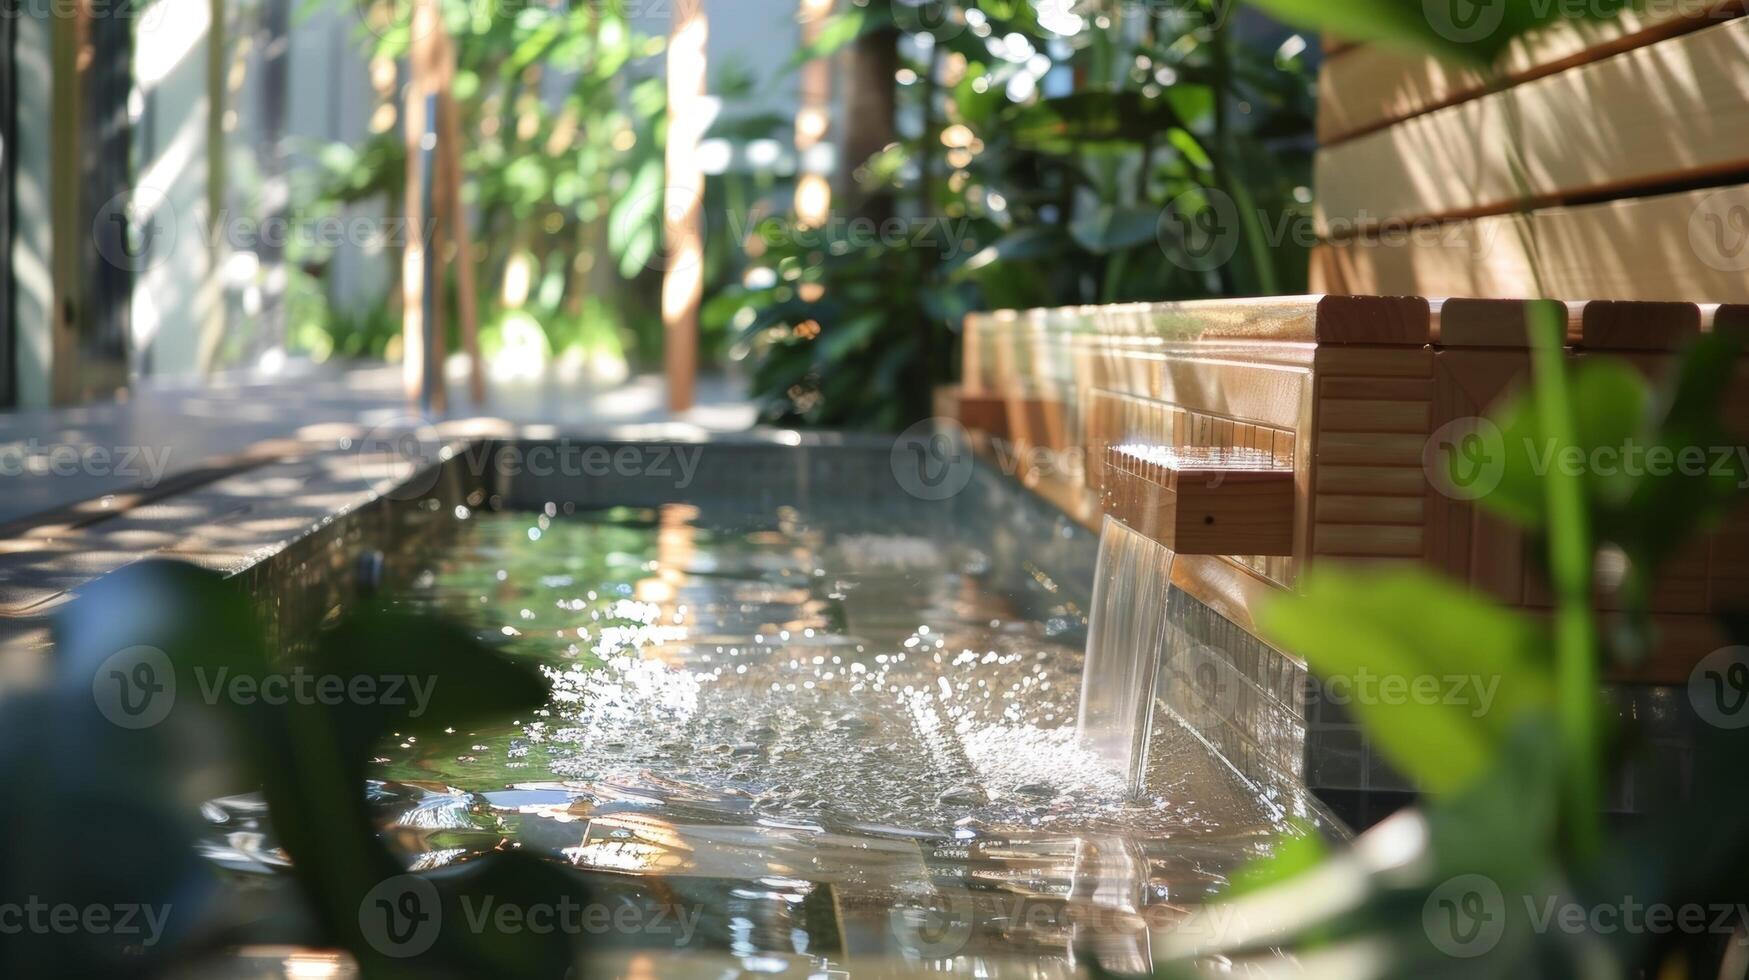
(305, 583)
(1241, 695)
(1656, 723)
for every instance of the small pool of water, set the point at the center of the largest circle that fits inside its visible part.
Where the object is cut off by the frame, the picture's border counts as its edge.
(843, 733)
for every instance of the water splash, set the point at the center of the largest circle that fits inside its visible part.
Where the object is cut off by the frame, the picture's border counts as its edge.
(846, 707)
(1126, 636)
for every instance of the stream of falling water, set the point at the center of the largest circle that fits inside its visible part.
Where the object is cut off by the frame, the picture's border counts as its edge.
(828, 731)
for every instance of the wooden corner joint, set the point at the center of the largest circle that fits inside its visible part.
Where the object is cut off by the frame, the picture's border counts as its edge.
(1203, 501)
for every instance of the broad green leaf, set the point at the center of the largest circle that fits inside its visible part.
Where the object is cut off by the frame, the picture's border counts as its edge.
(840, 340)
(1111, 228)
(1296, 852)
(1438, 676)
(1609, 408)
(1073, 122)
(842, 29)
(1708, 467)
(1472, 31)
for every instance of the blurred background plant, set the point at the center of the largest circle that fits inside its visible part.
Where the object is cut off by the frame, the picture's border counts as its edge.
(564, 111)
(1043, 154)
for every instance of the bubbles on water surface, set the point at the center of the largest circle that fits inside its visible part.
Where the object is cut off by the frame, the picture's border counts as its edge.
(731, 698)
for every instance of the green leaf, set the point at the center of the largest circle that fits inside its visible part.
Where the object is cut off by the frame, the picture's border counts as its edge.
(1608, 405)
(842, 29)
(1296, 852)
(841, 339)
(1024, 244)
(1709, 472)
(1472, 31)
(1073, 122)
(1437, 675)
(1114, 227)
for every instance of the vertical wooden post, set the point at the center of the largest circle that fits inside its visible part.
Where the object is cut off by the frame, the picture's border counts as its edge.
(431, 64)
(455, 220)
(683, 203)
(813, 120)
(420, 229)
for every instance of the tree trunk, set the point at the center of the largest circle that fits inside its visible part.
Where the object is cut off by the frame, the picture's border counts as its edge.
(871, 98)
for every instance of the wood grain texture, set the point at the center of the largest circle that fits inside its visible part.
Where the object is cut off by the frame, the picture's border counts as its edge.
(1372, 86)
(1496, 322)
(1624, 325)
(1687, 247)
(1675, 110)
(1211, 502)
(1384, 320)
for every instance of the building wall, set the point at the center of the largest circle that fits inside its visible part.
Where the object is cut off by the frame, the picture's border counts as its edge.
(33, 278)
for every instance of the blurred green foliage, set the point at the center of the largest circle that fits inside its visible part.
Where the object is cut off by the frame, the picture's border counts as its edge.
(1045, 156)
(563, 115)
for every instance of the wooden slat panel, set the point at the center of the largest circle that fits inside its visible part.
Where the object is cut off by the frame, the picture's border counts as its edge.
(1353, 540)
(1342, 415)
(1674, 110)
(1403, 480)
(1332, 508)
(1372, 448)
(1682, 247)
(1373, 86)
